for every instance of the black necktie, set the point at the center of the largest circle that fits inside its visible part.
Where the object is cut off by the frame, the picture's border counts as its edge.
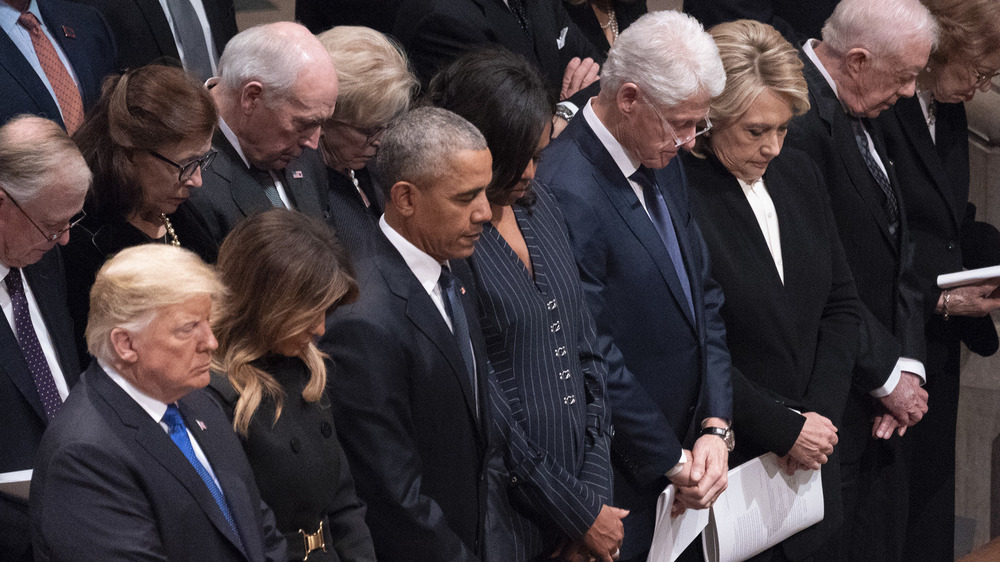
(660, 216)
(889, 203)
(451, 289)
(266, 180)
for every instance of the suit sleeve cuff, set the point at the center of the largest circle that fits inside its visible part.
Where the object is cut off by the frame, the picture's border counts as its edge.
(902, 364)
(679, 466)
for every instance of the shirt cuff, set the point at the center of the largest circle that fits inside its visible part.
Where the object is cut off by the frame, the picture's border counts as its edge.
(679, 466)
(903, 364)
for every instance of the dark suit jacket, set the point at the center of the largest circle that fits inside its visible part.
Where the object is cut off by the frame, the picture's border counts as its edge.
(559, 398)
(355, 224)
(21, 413)
(299, 465)
(436, 32)
(87, 41)
(667, 370)
(796, 20)
(406, 412)
(229, 193)
(141, 28)
(110, 484)
(320, 15)
(892, 324)
(793, 343)
(585, 18)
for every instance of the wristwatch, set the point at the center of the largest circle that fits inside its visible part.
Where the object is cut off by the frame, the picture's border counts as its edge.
(726, 433)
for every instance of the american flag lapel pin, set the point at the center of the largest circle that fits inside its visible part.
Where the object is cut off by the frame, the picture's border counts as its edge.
(68, 32)
(297, 174)
(201, 424)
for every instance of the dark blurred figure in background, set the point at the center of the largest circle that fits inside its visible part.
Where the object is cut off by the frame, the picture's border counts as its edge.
(927, 137)
(147, 143)
(321, 15)
(43, 181)
(602, 20)
(791, 311)
(795, 19)
(271, 379)
(53, 57)
(530, 302)
(375, 85)
(193, 32)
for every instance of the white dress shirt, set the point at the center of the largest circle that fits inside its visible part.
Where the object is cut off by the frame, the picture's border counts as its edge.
(426, 269)
(625, 161)
(156, 409)
(767, 219)
(44, 339)
(904, 363)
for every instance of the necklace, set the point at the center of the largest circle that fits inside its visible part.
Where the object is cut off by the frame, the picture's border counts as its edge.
(612, 23)
(171, 235)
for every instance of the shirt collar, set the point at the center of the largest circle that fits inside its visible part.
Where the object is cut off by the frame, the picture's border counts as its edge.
(9, 15)
(625, 162)
(151, 405)
(424, 267)
(807, 48)
(231, 137)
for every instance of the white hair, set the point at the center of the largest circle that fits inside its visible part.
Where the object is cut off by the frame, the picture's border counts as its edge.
(34, 151)
(885, 28)
(272, 54)
(668, 55)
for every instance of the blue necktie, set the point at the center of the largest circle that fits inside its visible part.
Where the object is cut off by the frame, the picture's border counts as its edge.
(660, 215)
(178, 432)
(460, 325)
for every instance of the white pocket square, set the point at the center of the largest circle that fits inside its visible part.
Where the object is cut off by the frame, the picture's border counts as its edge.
(561, 41)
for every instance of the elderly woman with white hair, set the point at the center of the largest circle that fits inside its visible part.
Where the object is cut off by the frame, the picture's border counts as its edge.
(791, 310)
(375, 85)
(927, 137)
(141, 463)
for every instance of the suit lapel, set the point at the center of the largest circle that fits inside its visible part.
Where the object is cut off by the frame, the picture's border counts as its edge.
(13, 364)
(618, 190)
(22, 73)
(64, 34)
(910, 117)
(424, 314)
(44, 278)
(245, 190)
(159, 26)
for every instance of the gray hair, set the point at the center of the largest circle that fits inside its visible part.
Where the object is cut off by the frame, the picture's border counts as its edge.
(137, 283)
(668, 55)
(273, 54)
(882, 27)
(32, 151)
(418, 146)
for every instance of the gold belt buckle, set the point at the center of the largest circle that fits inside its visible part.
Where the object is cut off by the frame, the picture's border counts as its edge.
(313, 541)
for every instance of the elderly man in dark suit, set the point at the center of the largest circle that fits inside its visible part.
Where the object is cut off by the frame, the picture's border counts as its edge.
(410, 367)
(43, 180)
(277, 85)
(141, 463)
(192, 31)
(870, 56)
(644, 266)
(53, 57)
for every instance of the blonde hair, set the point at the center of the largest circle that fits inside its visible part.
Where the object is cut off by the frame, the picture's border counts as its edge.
(757, 59)
(298, 270)
(374, 80)
(135, 284)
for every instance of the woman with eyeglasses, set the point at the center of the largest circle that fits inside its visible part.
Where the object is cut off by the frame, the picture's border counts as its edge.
(927, 139)
(374, 86)
(146, 143)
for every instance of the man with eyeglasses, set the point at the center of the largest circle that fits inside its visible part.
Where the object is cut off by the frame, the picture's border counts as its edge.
(43, 181)
(869, 57)
(644, 266)
(276, 86)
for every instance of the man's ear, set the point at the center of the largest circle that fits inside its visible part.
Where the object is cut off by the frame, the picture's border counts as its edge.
(401, 197)
(627, 98)
(123, 343)
(857, 61)
(251, 96)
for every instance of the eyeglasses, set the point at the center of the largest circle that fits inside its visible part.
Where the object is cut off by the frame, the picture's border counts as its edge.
(371, 134)
(75, 220)
(679, 142)
(187, 170)
(984, 79)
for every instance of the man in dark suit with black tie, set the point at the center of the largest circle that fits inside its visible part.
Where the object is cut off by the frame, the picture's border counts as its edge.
(192, 31)
(870, 56)
(43, 180)
(141, 463)
(410, 370)
(53, 57)
(644, 266)
(277, 85)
